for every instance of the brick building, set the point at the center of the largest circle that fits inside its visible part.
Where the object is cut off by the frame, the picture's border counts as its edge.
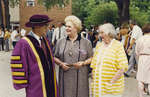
(30, 7)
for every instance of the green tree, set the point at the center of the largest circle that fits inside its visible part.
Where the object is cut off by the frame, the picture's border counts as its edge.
(106, 12)
(140, 11)
(141, 4)
(122, 5)
(79, 8)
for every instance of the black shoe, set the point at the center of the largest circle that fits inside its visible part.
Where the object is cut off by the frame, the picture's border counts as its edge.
(126, 75)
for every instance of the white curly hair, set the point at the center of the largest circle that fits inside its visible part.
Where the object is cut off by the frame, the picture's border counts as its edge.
(75, 20)
(108, 29)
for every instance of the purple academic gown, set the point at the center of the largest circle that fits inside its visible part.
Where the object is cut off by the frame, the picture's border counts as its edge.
(32, 69)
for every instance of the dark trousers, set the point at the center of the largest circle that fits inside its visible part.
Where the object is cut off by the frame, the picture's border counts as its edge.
(14, 43)
(2, 44)
(7, 45)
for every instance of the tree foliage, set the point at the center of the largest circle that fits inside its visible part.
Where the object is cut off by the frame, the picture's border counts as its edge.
(94, 12)
(140, 11)
(79, 8)
(104, 12)
(141, 4)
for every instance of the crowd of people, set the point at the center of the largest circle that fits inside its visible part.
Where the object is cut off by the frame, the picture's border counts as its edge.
(9, 38)
(108, 53)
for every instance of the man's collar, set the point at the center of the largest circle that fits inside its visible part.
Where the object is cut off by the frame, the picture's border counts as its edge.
(36, 36)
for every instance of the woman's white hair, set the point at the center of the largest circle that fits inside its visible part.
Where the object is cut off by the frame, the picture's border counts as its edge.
(75, 20)
(108, 29)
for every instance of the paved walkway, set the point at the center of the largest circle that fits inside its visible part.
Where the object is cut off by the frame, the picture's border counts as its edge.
(7, 90)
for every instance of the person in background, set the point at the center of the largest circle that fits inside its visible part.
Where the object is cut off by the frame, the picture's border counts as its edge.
(6, 38)
(136, 33)
(125, 37)
(84, 33)
(59, 32)
(124, 31)
(10, 41)
(96, 39)
(49, 33)
(142, 51)
(90, 36)
(32, 61)
(53, 27)
(15, 36)
(23, 32)
(73, 75)
(1, 39)
(117, 29)
(95, 29)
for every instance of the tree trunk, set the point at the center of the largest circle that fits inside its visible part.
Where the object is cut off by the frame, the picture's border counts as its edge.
(1, 14)
(7, 15)
(123, 10)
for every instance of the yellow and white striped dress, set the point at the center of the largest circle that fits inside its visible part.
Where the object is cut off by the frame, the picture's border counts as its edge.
(105, 63)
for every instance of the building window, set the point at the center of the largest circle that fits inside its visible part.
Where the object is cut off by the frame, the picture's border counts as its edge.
(31, 3)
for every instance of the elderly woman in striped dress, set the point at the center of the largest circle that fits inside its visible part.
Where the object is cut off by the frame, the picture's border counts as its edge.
(109, 63)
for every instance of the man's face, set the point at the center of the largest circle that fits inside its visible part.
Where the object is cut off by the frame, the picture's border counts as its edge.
(41, 30)
(59, 24)
(124, 31)
(131, 26)
(50, 27)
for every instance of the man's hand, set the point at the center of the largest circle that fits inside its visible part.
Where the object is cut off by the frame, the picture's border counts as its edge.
(128, 50)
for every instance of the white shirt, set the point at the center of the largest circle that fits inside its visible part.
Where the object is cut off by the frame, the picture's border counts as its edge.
(84, 33)
(62, 31)
(123, 40)
(13, 34)
(37, 38)
(2, 34)
(117, 30)
(136, 33)
(23, 32)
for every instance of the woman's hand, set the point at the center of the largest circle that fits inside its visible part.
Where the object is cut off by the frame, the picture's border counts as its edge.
(78, 64)
(65, 66)
(117, 76)
(112, 81)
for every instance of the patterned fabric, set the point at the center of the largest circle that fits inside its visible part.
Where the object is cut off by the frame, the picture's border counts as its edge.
(73, 82)
(143, 53)
(32, 69)
(105, 63)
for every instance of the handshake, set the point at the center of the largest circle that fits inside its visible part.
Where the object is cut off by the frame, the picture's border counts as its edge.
(77, 65)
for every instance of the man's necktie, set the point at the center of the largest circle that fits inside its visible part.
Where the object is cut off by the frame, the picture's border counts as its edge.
(59, 33)
(43, 46)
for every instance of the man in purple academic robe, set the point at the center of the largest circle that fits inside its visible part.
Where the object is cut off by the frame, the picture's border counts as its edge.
(32, 61)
